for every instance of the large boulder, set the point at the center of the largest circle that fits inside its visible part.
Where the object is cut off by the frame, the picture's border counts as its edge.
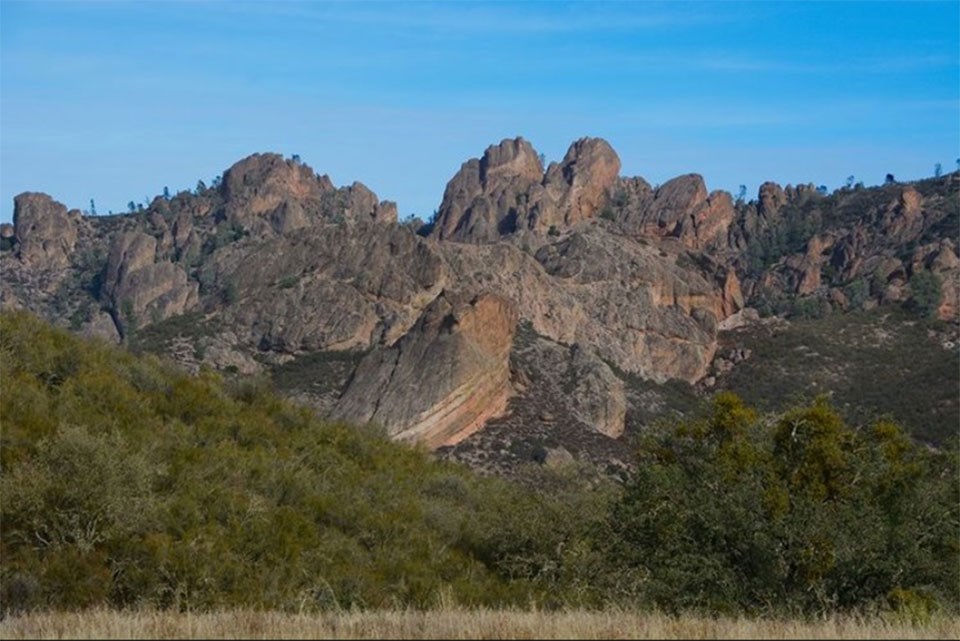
(444, 378)
(45, 232)
(597, 396)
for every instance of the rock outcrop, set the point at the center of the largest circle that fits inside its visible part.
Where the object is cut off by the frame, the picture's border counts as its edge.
(565, 285)
(681, 208)
(331, 287)
(140, 290)
(576, 189)
(266, 190)
(265, 193)
(941, 259)
(489, 195)
(361, 205)
(345, 287)
(636, 305)
(44, 230)
(443, 379)
(507, 191)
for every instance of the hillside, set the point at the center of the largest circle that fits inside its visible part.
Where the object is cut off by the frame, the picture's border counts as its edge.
(543, 309)
(126, 482)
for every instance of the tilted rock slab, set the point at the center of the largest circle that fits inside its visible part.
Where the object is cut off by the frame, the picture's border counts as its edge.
(443, 379)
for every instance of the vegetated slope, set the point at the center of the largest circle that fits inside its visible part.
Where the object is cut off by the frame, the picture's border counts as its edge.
(127, 483)
(882, 362)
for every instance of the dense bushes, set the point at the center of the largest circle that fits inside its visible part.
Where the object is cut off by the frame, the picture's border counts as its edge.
(739, 513)
(124, 482)
(127, 483)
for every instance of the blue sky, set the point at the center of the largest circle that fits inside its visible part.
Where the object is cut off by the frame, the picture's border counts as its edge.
(115, 100)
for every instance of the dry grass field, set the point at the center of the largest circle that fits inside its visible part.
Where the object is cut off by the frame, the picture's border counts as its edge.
(451, 624)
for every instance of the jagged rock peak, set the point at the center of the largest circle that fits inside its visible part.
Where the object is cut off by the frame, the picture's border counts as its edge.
(511, 157)
(578, 187)
(507, 190)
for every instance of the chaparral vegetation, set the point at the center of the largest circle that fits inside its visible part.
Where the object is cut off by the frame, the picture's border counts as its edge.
(126, 483)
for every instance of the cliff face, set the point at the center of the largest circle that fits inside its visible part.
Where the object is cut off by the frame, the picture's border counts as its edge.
(274, 265)
(444, 378)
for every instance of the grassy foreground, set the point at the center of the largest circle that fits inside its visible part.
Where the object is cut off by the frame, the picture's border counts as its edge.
(452, 624)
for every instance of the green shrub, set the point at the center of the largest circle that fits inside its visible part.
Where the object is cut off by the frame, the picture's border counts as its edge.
(925, 293)
(857, 293)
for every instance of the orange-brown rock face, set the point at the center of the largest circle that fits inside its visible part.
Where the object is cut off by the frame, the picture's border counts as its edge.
(576, 189)
(732, 295)
(443, 379)
(711, 222)
(507, 190)
(811, 264)
(265, 189)
(265, 193)
(487, 194)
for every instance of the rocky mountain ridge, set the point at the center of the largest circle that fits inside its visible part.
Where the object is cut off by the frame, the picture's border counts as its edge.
(275, 264)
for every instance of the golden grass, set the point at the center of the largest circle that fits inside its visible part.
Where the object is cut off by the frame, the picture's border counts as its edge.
(450, 624)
